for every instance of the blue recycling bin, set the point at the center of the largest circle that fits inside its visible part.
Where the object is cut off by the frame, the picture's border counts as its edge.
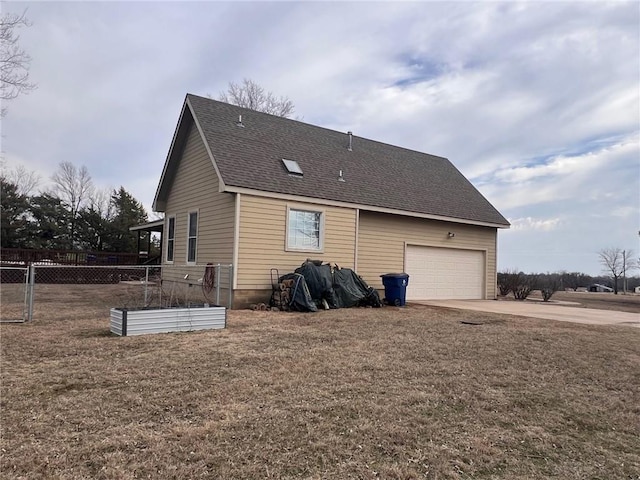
(395, 288)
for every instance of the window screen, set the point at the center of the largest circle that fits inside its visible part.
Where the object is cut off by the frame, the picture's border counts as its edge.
(193, 237)
(171, 236)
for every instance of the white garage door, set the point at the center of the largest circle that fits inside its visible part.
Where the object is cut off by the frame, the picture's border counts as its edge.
(444, 273)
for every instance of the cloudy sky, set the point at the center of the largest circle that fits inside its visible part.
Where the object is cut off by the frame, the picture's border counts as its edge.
(537, 103)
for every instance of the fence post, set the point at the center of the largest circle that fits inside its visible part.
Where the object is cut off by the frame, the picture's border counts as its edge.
(25, 305)
(146, 285)
(31, 274)
(218, 271)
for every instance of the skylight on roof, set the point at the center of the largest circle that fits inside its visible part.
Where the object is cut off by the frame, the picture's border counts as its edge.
(292, 167)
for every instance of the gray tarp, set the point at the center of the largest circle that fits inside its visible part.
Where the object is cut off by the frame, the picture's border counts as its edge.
(300, 298)
(338, 287)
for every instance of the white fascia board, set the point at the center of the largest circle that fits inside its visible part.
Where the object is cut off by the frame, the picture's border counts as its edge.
(221, 185)
(155, 223)
(159, 205)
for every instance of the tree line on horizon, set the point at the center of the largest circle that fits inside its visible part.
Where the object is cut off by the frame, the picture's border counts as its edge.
(70, 215)
(521, 284)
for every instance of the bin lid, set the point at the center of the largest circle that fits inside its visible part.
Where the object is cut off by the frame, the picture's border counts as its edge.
(395, 275)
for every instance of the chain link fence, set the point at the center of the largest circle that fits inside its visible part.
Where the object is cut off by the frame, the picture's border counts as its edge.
(14, 294)
(36, 291)
(185, 285)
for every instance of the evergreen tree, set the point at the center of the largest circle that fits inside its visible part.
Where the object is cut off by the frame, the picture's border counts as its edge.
(128, 212)
(66, 218)
(14, 209)
(92, 229)
(49, 225)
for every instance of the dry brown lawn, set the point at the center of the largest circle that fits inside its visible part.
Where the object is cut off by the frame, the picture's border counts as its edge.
(629, 302)
(363, 393)
(12, 302)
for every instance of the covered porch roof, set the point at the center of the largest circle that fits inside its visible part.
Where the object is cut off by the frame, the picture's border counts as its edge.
(157, 226)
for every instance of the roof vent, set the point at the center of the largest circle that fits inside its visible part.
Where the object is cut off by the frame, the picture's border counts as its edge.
(350, 141)
(239, 122)
(340, 177)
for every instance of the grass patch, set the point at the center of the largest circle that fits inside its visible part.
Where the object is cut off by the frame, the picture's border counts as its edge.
(361, 393)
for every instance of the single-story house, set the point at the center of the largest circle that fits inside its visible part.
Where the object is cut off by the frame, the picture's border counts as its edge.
(259, 191)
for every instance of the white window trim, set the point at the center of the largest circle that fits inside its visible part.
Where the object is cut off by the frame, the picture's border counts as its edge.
(166, 247)
(197, 212)
(305, 208)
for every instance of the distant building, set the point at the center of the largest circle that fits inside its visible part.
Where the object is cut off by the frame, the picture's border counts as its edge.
(596, 287)
(637, 290)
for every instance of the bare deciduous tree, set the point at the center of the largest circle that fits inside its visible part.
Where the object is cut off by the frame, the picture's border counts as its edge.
(25, 181)
(100, 202)
(74, 187)
(14, 61)
(250, 95)
(573, 280)
(615, 263)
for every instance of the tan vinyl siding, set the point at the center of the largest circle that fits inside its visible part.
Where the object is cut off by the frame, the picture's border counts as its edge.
(382, 239)
(263, 234)
(195, 188)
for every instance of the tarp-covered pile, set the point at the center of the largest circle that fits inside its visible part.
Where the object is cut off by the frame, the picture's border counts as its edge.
(314, 285)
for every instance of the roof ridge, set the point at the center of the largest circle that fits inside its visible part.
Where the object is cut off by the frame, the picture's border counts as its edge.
(376, 174)
(320, 127)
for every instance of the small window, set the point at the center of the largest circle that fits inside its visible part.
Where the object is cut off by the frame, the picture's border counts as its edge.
(192, 237)
(304, 230)
(292, 167)
(171, 237)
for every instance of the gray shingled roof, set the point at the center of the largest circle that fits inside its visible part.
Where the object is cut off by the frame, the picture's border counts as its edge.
(376, 174)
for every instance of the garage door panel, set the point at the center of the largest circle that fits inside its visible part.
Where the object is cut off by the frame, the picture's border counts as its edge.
(444, 273)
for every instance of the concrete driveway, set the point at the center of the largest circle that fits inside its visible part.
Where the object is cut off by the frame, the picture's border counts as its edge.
(549, 311)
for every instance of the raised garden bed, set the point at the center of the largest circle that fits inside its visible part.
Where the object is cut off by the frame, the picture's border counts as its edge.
(127, 322)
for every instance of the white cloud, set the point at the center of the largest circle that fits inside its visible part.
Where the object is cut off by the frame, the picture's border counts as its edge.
(610, 172)
(540, 107)
(625, 211)
(529, 223)
(562, 165)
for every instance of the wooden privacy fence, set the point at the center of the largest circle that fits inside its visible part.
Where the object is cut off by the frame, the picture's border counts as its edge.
(88, 275)
(26, 256)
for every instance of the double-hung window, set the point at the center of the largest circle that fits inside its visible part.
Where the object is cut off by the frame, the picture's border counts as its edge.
(192, 237)
(171, 237)
(304, 230)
